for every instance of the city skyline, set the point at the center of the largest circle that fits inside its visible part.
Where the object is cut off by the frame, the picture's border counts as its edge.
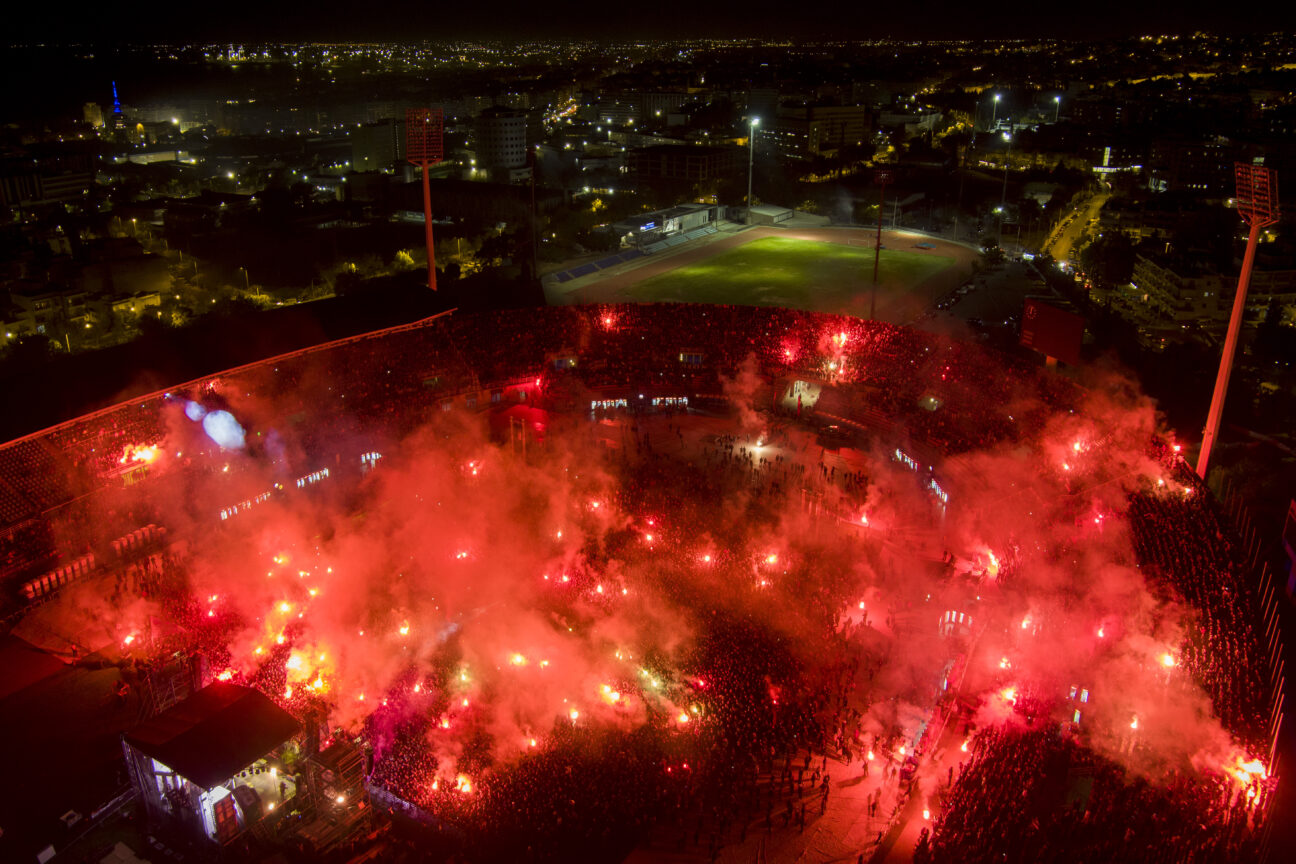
(522, 437)
(408, 20)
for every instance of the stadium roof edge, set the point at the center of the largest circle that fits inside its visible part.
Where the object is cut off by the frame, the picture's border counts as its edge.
(300, 352)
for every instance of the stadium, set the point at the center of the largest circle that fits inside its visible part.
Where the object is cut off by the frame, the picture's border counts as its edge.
(632, 582)
(807, 267)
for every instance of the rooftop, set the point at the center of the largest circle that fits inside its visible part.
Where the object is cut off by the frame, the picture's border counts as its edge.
(215, 732)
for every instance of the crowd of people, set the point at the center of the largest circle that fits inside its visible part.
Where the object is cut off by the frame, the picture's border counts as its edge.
(383, 385)
(779, 721)
(1180, 539)
(778, 727)
(1036, 795)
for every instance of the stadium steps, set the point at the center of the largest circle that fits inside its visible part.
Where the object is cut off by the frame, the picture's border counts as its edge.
(13, 506)
(30, 469)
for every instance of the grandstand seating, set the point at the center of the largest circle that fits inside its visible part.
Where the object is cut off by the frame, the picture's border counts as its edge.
(37, 473)
(13, 506)
(631, 254)
(389, 378)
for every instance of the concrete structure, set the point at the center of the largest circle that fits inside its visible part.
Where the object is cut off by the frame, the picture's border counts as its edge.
(616, 111)
(150, 157)
(467, 199)
(1204, 166)
(40, 307)
(210, 762)
(1110, 154)
(807, 131)
(378, 146)
(1268, 286)
(335, 787)
(693, 164)
(136, 305)
(1139, 221)
(914, 123)
(660, 105)
(1177, 292)
(647, 228)
(769, 214)
(501, 144)
(30, 188)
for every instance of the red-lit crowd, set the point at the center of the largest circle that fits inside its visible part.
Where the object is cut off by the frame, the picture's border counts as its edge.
(780, 721)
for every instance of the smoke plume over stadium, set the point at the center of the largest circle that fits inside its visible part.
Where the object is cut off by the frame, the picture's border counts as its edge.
(642, 594)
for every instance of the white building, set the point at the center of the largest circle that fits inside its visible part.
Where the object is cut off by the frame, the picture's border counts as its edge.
(502, 144)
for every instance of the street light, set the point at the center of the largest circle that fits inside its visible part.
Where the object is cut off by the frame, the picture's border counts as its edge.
(1057, 106)
(751, 157)
(994, 112)
(1002, 209)
(1007, 155)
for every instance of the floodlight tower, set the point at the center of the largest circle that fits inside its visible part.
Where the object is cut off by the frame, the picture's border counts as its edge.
(1257, 203)
(751, 158)
(882, 178)
(424, 148)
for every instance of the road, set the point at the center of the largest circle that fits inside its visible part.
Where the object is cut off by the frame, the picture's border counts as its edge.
(1064, 240)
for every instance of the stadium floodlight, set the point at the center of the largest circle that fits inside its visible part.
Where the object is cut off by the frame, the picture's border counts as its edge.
(1257, 203)
(424, 147)
(751, 157)
(1003, 199)
(882, 178)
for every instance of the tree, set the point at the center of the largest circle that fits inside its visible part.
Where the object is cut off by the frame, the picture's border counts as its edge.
(1274, 343)
(1109, 260)
(153, 328)
(496, 246)
(1208, 231)
(598, 241)
(27, 354)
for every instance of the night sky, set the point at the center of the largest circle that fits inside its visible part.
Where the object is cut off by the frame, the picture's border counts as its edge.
(246, 20)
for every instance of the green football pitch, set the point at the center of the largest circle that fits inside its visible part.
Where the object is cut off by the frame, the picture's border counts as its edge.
(780, 271)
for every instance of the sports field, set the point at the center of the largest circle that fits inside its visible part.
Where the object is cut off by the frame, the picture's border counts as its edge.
(788, 271)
